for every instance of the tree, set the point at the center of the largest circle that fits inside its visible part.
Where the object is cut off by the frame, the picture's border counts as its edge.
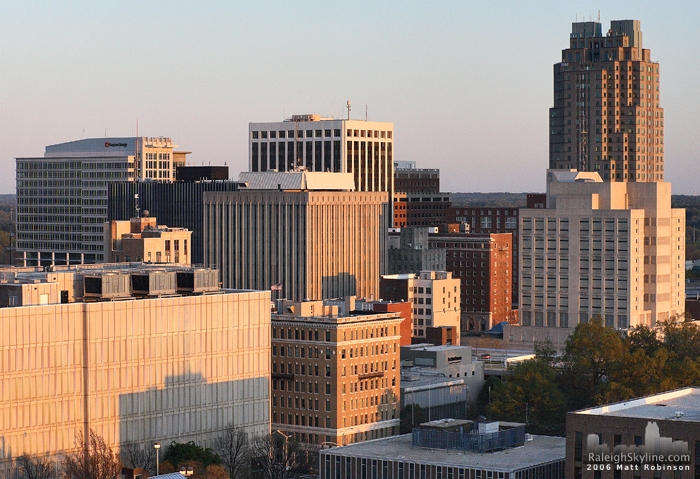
(530, 394)
(281, 457)
(135, 456)
(179, 453)
(35, 468)
(234, 450)
(93, 459)
(546, 352)
(590, 352)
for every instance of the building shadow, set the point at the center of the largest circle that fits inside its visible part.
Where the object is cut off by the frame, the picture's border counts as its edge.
(339, 286)
(188, 408)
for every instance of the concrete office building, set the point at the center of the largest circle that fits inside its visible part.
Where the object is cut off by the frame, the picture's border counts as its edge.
(306, 231)
(412, 254)
(663, 424)
(435, 298)
(143, 239)
(405, 456)
(179, 204)
(599, 248)
(409, 179)
(363, 148)
(62, 196)
(606, 115)
(137, 370)
(335, 378)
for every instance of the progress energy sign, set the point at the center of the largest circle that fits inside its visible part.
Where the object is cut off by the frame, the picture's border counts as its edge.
(657, 453)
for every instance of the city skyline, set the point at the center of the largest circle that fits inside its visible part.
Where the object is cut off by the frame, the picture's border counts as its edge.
(468, 87)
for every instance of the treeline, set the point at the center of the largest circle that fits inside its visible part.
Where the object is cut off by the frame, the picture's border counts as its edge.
(599, 365)
(235, 455)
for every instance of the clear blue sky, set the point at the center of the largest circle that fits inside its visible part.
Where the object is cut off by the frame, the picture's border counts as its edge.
(467, 83)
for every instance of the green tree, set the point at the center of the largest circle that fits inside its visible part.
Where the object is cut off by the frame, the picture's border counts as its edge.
(180, 453)
(530, 394)
(590, 353)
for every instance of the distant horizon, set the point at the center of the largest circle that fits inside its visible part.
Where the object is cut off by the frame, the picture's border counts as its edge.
(468, 86)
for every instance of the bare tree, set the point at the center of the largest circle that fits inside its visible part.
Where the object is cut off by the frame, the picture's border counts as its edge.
(93, 459)
(135, 456)
(35, 468)
(280, 457)
(234, 450)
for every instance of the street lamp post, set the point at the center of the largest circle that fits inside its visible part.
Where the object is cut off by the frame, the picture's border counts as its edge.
(156, 446)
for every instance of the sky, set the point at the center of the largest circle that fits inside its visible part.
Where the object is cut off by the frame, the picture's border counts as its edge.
(467, 84)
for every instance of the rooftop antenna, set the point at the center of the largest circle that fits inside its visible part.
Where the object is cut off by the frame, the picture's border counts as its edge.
(598, 16)
(349, 107)
(366, 111)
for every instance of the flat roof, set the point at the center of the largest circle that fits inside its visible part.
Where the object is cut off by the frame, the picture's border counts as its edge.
(540, 450)
(666, 405)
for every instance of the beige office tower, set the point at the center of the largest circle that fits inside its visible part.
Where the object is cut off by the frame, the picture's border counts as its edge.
(607, 116)
(335, 377)
(611, 249)
(136, 370)
(306, 233)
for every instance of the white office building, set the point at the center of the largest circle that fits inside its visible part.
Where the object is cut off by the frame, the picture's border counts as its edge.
(364, 148)
(599, 248)
(62, 196)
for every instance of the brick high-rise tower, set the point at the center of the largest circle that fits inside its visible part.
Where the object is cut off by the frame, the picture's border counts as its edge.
(606, 115)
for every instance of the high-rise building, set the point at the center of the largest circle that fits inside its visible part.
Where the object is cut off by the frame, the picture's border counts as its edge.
(599, 248)
(607, 115)
(308, 233)
(178, 368)
(62, 196)
(335, 377)
(435, 298)
(363, 148)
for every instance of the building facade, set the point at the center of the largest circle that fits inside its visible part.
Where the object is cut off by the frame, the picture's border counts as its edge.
(143, 239)
(607, 115)
(335, 378)
(420, 209)
(363, 148)
(137, 370)
(435, 298)
(600, 248)
(483, 264)
(492, 220)
(62, 196)
(313, 241)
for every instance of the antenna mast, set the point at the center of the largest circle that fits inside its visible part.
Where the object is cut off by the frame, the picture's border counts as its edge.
(349, 107)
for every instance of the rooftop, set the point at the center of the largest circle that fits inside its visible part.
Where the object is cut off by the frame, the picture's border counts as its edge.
(540, 450)
(297, 180)
(681, 405)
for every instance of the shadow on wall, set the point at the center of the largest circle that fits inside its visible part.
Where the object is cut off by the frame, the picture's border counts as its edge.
(339, 286)
(189, 408)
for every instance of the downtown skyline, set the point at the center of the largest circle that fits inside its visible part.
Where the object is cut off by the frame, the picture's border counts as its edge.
(467, 86)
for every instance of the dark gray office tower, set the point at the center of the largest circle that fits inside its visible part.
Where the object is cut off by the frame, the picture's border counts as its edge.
(178, 204)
